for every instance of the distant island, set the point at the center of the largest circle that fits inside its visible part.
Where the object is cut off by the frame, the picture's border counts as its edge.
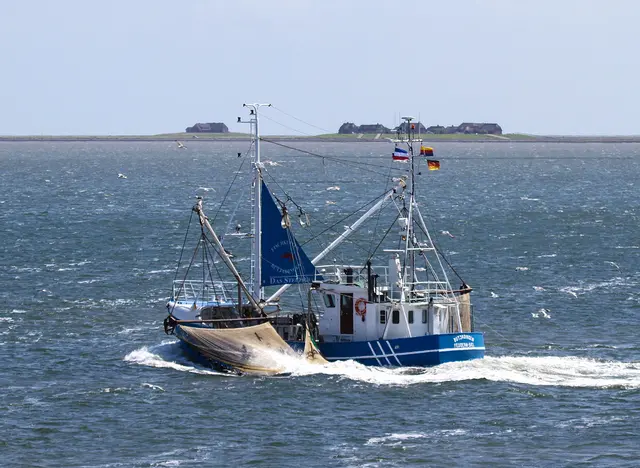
(349, 128)
(465, 128)
(479, 132)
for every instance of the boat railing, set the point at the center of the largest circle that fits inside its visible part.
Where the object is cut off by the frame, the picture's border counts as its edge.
(350, 274)
(209, 291)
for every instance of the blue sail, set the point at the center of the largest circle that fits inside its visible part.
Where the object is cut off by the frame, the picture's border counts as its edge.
(278, 254)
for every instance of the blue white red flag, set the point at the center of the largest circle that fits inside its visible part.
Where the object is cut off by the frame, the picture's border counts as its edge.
(400, 155)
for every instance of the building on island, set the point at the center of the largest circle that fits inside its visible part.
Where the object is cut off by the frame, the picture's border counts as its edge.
(481, 128)
(466, 127)
(348, 128)
(417, 128)
(212, 127)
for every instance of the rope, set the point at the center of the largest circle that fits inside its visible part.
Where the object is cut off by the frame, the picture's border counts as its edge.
(370, 257)
(231, 185)
(442, 255)
(286, 126)
(184, 243)
(375, 229)
(362, 166)
(360, 208)
(300, 120)
(209, 255)
(195, 252)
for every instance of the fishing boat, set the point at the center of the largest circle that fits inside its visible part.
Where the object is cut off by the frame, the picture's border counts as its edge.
(403, 312)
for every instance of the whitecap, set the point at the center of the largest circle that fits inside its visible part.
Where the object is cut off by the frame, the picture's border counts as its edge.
(396, 437)
(148, 356)
(152, 387)
(544, 313)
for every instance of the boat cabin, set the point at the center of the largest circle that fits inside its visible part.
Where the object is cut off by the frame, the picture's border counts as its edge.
(357, 305)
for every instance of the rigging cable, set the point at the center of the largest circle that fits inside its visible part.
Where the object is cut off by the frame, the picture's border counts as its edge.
(360, 208)
(231, 184)
(286, 126)
(209, 254)
(441, 253)
(300, 120)
(381, 240)
(362, 166)
(379, 214)
(184, 243)
(195, 252)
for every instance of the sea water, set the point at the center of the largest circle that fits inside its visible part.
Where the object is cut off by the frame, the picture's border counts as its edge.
(546, 234)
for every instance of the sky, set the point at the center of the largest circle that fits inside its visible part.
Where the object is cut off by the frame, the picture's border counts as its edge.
(122, 67)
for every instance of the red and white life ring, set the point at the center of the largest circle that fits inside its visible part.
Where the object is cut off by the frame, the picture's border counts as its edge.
(361, 307)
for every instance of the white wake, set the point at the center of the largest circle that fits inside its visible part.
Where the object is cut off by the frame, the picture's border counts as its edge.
(166, 355)
(539, 371)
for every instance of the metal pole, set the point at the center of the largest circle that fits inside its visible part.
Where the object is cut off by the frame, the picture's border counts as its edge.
(256, 251)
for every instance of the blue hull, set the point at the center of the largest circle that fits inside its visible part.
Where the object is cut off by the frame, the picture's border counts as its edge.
(428, 350)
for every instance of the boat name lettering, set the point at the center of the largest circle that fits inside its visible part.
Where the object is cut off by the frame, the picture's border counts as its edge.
(464, 344)
(289, 279)
(463, 337)
(282, 243)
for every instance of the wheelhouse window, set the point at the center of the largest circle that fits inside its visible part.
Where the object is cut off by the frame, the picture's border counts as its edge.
(410, 316)
(424, 315)
(383, 316)
(329, 300)
(395, 316)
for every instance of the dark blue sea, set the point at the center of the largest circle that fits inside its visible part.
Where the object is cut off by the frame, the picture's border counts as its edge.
(546, 234)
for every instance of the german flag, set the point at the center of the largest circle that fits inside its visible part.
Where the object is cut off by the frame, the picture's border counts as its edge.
(426, 151)
(433, 164)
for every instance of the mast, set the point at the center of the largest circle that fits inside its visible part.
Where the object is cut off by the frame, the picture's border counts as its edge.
(256, 228)
(204, 221)
(409, 252)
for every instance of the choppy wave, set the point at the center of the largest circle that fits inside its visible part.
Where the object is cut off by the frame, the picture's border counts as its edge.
(583, 288)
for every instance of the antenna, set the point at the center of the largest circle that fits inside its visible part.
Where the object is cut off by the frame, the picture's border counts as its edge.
(256, 245)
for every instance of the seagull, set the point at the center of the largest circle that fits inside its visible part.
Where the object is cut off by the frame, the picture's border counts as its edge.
(180, 145)
(121, 176)
(447, 233)
(614, 264)
(543, 312)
